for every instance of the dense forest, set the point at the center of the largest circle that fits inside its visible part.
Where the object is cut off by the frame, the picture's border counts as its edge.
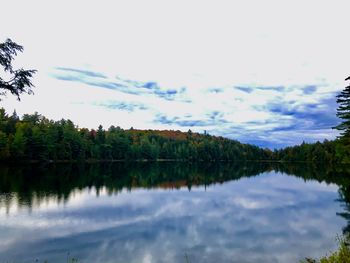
(36, 138)
(325, 152)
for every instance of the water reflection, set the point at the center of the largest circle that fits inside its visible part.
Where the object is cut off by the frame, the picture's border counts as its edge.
(162, 212)
(30, 184)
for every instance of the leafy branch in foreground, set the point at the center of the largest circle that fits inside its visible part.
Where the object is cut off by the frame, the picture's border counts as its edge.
(20, 79)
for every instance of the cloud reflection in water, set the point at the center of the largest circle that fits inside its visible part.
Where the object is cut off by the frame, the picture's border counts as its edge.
(269, 218)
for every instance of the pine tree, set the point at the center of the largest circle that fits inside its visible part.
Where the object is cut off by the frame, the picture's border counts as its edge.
(343, 111)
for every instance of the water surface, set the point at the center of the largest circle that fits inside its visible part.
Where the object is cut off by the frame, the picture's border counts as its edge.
(165, 212)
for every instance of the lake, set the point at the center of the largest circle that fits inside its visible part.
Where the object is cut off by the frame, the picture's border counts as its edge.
(171, 212)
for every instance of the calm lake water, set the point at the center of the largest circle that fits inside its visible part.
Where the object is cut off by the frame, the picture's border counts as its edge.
(170, 212)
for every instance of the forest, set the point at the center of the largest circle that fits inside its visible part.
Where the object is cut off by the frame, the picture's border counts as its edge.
(36, 138)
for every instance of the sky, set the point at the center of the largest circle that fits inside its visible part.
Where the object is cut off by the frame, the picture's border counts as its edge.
(261, 72)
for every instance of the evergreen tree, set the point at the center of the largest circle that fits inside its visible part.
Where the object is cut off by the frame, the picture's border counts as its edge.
(343, 111)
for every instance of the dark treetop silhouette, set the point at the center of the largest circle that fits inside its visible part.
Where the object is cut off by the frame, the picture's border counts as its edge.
(343, 111)
(20, 79)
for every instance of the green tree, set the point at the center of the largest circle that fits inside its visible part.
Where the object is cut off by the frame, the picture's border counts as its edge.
(343, 111)
(4, 146)
(101, 135)
(19, 143)
(19, 79)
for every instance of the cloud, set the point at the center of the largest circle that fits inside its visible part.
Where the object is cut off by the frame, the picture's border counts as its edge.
(97, 79)
(166, 94)
(91, 78)
(68, 78)
(150, 85)
(82, 72)
(153, 87)
(277, 88)
(111, 85)
(211, 119)
(265, 115)
(288, 116)
(215, 115)
(282, 116)
(123, 105)
(181, 122)
(216, 90)
(310, 89)
(245, 89)
(250, 89)
(320, 115)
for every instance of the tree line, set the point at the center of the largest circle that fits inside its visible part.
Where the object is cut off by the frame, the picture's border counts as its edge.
(34, 137)
(320, 152)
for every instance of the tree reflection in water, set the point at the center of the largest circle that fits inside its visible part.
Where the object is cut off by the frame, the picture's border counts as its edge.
(292, 215)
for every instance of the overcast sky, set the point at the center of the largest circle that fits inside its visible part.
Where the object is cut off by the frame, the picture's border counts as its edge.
(262, 72)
